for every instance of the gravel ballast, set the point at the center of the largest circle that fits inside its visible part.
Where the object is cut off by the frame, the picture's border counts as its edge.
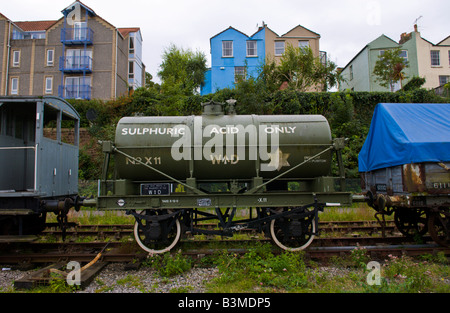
(114, 279)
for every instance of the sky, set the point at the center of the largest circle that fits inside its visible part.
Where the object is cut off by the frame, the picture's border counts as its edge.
(345, 26)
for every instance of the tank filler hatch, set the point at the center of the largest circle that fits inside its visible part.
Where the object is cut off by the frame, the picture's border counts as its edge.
(217, 108)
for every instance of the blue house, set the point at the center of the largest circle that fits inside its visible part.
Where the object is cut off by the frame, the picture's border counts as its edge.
(234, 55)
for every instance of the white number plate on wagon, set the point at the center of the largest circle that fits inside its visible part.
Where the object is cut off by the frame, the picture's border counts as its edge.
(155, 189)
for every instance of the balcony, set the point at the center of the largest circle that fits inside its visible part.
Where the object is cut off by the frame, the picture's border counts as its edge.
(75, 92)
(75, 64)
(77, 36)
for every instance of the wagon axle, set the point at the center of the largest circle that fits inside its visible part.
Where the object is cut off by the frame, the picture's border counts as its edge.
(158, 231)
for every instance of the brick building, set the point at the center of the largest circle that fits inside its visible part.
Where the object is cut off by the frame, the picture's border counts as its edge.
(79, 56)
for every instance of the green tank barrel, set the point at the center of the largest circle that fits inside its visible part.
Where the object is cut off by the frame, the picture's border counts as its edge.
(217, 146)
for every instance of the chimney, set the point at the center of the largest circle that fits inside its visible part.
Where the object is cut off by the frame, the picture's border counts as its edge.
(415, 28)
(263, 25)
(404, 38)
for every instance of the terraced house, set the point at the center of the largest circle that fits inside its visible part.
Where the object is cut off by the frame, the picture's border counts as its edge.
(427, 60)
(235, 55)
(79, 56)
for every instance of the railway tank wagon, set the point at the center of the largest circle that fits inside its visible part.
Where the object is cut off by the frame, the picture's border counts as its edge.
(172, 173)
(38, 164)
(405, 167)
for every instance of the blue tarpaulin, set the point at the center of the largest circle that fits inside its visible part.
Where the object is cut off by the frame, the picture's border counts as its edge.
(402, 133)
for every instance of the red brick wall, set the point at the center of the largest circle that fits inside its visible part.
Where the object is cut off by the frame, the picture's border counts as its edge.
(87, 142)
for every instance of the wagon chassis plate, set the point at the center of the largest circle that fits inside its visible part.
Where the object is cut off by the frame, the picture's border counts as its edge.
(155, 189)
(186, 201)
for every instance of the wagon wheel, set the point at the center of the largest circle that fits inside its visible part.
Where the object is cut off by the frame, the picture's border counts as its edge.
(439, 227)
(411, 222)
(293, 233)
(157, 233)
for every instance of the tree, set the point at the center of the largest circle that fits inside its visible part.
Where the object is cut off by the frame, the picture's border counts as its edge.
(389, 68)
(148, 81)
(182, 71)
(300, 70)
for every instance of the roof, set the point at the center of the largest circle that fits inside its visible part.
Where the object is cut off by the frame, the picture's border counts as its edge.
(232, 28)
(126, 30)
(259, 29)
(300, 26)
(29, 26)
(71, 7)
(403, 133)
(55, 101)
(2, 15)
(367, 46)
(440, 42)
(264, 26)
(35, 25)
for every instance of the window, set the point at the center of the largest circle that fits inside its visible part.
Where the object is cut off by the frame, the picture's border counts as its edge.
(14, 85)
(50, 57)
(80, 31)
(404, 55)
(303, 43)
(239, 73)
(443, 80)
(49, 85)
(37, 35)
(131, 45)
(78, 59)
(17, 34)
(279, 47)
(351, 72)
(323, 58)
(69, 129)
(435, 60)
(448, 57)
(227, 49)
(9, 123)
(16, 58)
(50, 122)
(77, 87)
(131, 69)
(251, 49)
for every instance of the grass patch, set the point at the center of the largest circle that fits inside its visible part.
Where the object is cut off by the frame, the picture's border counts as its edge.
(357, 212)
(260, 270)
(168, 265)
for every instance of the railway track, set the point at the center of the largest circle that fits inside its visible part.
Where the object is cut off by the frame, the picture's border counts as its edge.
(341, 240)
(115, 253)
(121, 230)
(337, 239)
